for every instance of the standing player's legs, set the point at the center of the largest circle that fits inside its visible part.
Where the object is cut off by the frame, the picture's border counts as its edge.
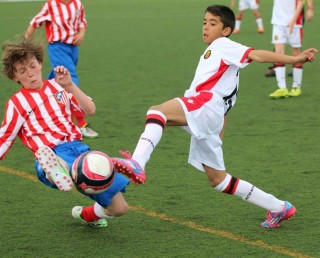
(67, 55)
(279, 39)
(259, 20)
(295, 40)
(254, 6)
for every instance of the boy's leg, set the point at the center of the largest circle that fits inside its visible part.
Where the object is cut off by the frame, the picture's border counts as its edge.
(280, 71)
(134, 167)
(113, 201)
(56, 170)
(169, 113)
(297, 72)
(278, 210)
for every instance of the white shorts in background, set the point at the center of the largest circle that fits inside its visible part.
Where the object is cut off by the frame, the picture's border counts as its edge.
(205, 118)
(280, 35)
(248, 4)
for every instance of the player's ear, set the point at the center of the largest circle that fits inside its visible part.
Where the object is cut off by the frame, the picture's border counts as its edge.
(226, 31)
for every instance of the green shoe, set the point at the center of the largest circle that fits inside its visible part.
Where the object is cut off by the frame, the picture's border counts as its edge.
(100, 223)
(279, 93)
(295, 92)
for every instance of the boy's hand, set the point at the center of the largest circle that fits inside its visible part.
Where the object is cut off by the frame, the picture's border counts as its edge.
(308, 55)
(63, 76)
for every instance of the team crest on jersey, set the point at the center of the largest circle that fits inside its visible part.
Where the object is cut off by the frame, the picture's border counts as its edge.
(276, 37)
(61, 97)
(207, 55)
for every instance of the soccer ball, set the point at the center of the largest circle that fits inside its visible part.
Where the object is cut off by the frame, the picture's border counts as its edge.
(93, 172)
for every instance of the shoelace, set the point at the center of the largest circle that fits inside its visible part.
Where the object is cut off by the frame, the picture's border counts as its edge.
(125, 154)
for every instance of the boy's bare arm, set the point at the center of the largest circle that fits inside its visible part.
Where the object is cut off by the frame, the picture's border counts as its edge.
(264, 56)
(30, 31)
(64, 79)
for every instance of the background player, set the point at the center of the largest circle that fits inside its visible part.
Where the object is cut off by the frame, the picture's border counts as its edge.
(65, 26)
(245, 5)
(308, 14)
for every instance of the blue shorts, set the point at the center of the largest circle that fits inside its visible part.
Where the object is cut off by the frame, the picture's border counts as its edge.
(69, 152)
(66, 55)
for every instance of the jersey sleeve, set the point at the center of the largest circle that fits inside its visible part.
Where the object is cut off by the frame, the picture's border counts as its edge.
(42, 16)
(234, 53)
(83, 21)
(10, 127)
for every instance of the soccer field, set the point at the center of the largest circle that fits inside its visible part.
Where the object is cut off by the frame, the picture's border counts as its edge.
(138, 53)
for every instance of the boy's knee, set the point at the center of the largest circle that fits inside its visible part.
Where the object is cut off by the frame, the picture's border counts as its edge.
(118, 211)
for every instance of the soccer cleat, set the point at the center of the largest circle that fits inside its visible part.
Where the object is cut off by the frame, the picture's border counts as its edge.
(295, 92)
(100, 223)
(274, 219)
(279, 93)
(270, 72)
(236, 31)
(86, 131)
(129, 168)
(55, 170)
(261, 30)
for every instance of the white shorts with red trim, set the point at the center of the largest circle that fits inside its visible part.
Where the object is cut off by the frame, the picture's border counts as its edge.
(205, 116)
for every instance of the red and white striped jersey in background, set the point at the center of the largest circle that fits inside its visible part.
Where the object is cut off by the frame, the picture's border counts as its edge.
(39, 117)
(62, 21)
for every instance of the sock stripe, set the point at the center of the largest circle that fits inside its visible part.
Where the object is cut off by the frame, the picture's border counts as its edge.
(232, 186)
(279, 65)
(155, 119)
(298, 66)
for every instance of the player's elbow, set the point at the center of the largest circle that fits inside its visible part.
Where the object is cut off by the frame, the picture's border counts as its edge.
(90, 111)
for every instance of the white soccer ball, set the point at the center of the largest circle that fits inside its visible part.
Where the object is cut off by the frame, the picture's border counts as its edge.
(93, 172)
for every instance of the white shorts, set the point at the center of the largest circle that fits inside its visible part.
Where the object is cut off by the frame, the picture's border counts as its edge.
(205, 118)
(280, 35)
(248, 4)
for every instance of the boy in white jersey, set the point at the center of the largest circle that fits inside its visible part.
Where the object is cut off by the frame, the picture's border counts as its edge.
(65, 27)
(202, 112)
(40, 114)
(245, 5)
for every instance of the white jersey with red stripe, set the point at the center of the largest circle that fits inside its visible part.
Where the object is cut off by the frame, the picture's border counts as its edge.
(39, 117)
(283, 12)
(62, 21)
(218, 70)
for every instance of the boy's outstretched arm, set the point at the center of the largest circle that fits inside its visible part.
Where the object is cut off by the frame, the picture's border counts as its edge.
(30, 31)
(64, 79)
(264, 56)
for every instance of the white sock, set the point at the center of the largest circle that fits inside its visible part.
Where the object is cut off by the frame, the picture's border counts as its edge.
(98, 210)
(281, 76)
(237, 25)
(259, 22)
(297, 77)
(149, 138)
(250, 193)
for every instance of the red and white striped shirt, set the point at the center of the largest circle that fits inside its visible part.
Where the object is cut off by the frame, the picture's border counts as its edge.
(62, 21)
(39, 117)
